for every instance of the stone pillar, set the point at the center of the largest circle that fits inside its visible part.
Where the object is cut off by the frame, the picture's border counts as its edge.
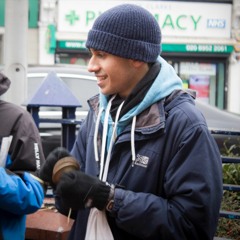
(15, 49)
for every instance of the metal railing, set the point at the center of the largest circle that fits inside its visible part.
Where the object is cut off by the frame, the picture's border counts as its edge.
(229, 187)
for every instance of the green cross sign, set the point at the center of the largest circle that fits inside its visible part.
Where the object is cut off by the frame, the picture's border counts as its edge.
(72, 17)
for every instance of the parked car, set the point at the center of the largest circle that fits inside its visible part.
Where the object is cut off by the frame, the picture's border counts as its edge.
(77, 78)
(81, 83)
(83, 86)
(218, 119)
(224, 125)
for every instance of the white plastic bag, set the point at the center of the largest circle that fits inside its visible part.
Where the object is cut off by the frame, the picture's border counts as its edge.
(97, 226)
(4, 148)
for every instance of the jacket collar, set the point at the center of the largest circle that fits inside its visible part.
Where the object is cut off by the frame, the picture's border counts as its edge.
(150, 120)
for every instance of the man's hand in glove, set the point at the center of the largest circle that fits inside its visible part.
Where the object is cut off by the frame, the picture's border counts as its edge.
(78, 190)
(46, 171)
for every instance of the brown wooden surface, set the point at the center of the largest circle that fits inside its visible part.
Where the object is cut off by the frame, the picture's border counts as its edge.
(47, 224)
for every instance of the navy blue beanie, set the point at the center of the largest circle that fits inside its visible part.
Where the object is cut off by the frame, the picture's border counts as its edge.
(127, 31)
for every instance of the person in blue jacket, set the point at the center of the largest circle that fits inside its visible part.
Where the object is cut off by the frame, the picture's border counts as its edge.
(21, 157)
(147, 158)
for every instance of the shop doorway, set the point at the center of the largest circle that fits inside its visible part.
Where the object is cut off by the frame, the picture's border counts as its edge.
(206, 76)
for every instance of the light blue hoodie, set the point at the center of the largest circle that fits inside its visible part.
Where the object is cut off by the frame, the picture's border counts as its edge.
(165, 83)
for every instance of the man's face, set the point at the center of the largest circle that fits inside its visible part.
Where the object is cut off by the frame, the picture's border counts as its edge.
(115, 75)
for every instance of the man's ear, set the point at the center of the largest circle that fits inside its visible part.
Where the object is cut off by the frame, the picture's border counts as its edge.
(137, 64)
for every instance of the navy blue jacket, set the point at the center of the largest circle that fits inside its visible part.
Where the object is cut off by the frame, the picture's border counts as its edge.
(174, 188)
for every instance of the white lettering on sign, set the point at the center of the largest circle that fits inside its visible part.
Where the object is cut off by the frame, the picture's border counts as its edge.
(75, 44)
(206, 48)
(220, 48)
(216, 23)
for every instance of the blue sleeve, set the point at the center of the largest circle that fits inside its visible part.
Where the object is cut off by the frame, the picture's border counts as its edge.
(20, 195)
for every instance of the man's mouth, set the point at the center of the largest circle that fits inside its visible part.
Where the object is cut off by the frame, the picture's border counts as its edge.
(101, 77)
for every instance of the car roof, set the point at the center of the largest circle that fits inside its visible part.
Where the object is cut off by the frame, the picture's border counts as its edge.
(61, 70)
(218, 119)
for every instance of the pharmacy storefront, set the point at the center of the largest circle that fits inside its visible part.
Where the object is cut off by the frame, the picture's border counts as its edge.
(196, 40)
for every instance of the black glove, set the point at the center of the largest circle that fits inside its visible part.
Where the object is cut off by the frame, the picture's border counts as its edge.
(78, 190)
(46, 171)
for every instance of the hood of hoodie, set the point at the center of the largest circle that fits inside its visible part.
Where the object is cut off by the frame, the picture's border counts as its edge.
(165, 83)
(4, 83)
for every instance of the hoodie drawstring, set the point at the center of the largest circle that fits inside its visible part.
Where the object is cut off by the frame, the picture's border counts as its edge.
(96, 134)
(133, 140)
(104, 165)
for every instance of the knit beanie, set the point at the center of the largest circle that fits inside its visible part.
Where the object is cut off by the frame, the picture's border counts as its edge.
(127, 31)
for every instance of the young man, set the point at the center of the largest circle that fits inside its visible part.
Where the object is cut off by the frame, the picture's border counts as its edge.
(20, 153)
(145, 151)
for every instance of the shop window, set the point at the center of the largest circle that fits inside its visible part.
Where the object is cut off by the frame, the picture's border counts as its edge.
(200, 77)
(207, 78)
(69, 58)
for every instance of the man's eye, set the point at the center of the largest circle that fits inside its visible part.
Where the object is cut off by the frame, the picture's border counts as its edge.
(100, 54)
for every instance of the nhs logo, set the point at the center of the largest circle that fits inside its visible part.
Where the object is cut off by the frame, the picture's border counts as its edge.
(216, 23)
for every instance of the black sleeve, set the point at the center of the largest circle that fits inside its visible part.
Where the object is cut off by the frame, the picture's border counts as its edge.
(26, 148)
